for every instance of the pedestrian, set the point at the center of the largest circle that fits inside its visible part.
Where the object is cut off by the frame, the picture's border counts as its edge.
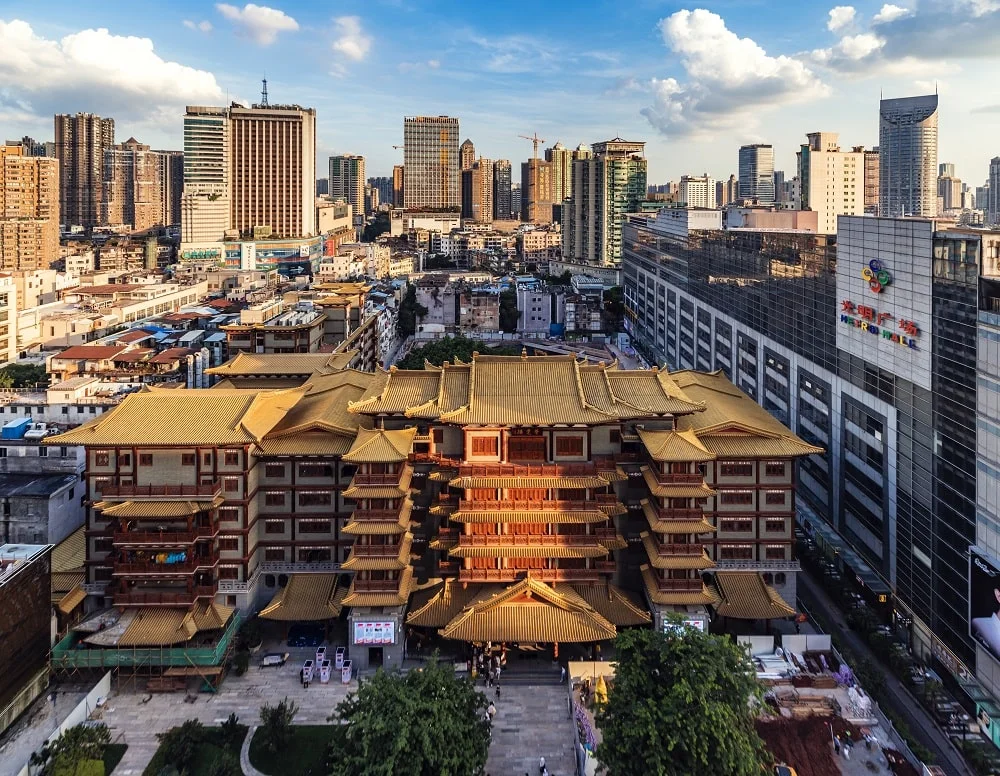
(836, 744)
(491, 710)
(541, 764)
(847, 751)
(489, 680)
(498, 690)
(562, 675)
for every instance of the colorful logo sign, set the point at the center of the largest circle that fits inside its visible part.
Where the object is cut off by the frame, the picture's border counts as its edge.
(870, 320)
(878, 277)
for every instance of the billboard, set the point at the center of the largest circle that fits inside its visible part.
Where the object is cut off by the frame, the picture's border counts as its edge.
(984, 601)
(374, 633)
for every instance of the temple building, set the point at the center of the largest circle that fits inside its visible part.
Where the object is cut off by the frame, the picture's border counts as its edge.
(533, 500)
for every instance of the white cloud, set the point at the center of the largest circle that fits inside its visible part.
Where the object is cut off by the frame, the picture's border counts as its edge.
(416, 67)
(202, 26)
(351, 40)
(93, 70)
(514, 53)
(840, 17)
(258, 22)
(889, 13)
(730, 80)
(978, 7)
(850, 48)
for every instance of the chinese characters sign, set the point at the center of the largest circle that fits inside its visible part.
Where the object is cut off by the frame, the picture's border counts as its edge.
(881, 324)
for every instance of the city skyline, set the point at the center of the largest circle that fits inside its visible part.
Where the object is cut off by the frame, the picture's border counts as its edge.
(695, 83)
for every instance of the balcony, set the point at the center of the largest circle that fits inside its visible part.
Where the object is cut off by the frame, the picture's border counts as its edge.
(527, 470)
(376, 550)
(678, 479)
(164, 569)
(161, 491)
(514, 575)
(672, 513)
(679, 585)
(178, 598)
(601, 499)
(375, 585)
(376, 479)
(164, 538)
(529, 540)
(680, 549)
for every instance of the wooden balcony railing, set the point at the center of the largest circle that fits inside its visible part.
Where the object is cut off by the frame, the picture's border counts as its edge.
(679, 479)
(527, 470)
(512, 575)
(149, 598)
(527, 540)
(375, 515)
(161, 491)
(605, 566)
(375, 550)
(376, 479)
(684, 585)
(164, 569)
(672, 513)
(601, 499)
(163, 538)
(680, 549)
(362, 585)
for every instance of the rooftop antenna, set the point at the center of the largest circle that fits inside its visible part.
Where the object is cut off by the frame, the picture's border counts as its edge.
(263, 92)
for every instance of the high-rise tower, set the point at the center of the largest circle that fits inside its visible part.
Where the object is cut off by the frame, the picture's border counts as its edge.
(81, 141)
(431, 163)
(908, 148)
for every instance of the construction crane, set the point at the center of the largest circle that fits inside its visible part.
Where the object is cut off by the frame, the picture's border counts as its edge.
(535, 140)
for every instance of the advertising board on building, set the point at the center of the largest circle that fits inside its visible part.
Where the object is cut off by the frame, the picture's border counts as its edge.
(984, 601)
(374, 633)
(884, 300)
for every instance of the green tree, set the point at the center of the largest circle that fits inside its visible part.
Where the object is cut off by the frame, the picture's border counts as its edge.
(452, 348)
(509, 316)
(73, 751)
(614, 310)
(409, 312)
(377, 227)
(437, 726)
(180, 743)
(232, 732)
(276, 724)
(225, 765)
(23, 375)
(682, 703)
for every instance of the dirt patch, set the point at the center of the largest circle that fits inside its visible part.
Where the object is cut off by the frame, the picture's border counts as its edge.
(804, 744)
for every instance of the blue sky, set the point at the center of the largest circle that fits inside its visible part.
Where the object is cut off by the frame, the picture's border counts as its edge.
(694, 80)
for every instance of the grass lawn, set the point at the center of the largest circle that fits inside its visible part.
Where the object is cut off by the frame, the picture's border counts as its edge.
(113, 754)
(304, 756)
(206, 753)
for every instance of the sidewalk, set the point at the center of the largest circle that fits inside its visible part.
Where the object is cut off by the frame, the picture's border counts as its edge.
(898, 698)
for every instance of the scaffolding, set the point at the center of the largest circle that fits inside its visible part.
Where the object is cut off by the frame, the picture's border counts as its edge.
(71, 658)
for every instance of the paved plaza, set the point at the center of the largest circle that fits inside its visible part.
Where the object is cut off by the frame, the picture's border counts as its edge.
(532, 722)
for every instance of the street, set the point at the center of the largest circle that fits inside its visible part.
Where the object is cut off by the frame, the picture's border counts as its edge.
(898, 698)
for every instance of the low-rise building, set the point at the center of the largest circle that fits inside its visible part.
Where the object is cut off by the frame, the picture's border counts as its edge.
(540, 244)
(270, 328)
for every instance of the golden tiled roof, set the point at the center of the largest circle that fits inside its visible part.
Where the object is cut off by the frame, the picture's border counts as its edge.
(696, 559)
(400, 596)
(382, 491)
(734, 425)
(526, 390)
(362, 527)
(381, 446)
(567, 482)
(64, 581)
(613, 509)
(442, 474)
(659, 525)
(551, 516)
(71, 600)
(154, 626)
(244, 364)
(210, 615)
(155, 509)
(442, 509)
(306, 597)
(612, 603)
(705, 595)
(674, 446)
(529, 611)
(436, 606)
(529, 551)
(71, 552)
(308, 443)
(744, 595)
(680, 490)
(617, 542)
(180, 416)
(368, 563)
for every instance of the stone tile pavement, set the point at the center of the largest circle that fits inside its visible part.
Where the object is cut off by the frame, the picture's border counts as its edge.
(532, 722)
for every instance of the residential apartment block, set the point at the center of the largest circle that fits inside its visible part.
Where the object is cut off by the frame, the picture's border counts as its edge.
(431, 163)
(29, 210)
(832, 182)
(80, 143)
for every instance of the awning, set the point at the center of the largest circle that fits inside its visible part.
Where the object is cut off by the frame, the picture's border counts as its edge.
(828, 535)
(71, 600)
(529, 611)
(744, 595)
(306, 597)
(135, 509)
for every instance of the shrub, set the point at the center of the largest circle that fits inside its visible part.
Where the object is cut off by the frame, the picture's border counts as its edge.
(179, 744)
